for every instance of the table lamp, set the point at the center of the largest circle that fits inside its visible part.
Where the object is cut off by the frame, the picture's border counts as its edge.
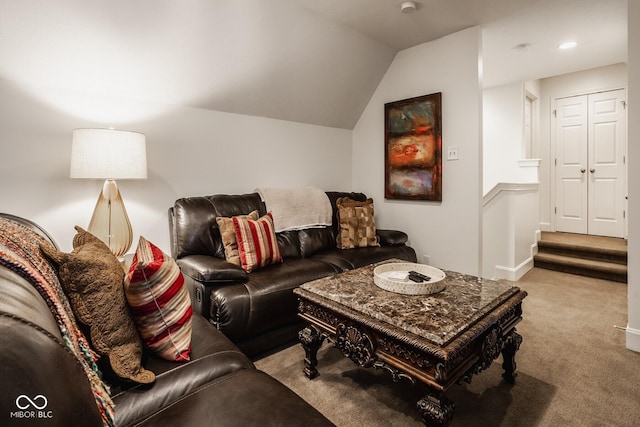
(109, 154)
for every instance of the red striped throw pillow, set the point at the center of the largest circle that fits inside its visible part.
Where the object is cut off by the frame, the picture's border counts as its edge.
(257, 242)
(160, 302)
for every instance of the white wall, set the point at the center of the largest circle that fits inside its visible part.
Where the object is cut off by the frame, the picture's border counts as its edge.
(503, 133)
(189, 152)
(450, 231)
(633, 333)
(597, 79)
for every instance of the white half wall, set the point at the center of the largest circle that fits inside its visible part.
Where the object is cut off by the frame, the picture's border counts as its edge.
(449, 232)
(510, 227)
(189, 152)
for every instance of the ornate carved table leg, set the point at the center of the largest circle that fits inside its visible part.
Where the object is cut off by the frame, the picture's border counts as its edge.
(511, 346)
(436, 410)
(311, 340)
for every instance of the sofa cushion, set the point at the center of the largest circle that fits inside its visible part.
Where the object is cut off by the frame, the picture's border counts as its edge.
(314, 240)
(194, 230)
(92, 278)
(357, 228)
(159, 301)
(348, 259)
(34, 362)
(266, 301)
(213, 356)
(289, 243)
(257, 242)
(250, 398)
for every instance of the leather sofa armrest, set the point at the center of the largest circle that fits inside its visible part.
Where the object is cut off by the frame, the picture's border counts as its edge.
(202, 273)
(210, 270)
(392, 237)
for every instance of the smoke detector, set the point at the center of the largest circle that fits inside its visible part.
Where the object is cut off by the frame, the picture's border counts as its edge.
(408, 7)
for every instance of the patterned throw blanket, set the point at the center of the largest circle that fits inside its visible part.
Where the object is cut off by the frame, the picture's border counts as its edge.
(20, 252)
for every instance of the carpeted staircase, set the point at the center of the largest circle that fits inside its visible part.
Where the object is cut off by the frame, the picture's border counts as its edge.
(593, 256)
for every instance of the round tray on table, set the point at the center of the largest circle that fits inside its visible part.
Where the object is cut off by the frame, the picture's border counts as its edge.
(394, 277)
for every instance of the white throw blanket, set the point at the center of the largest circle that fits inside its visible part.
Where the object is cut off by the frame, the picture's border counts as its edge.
(297, 208)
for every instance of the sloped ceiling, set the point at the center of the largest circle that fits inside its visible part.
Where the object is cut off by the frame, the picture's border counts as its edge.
(310, 61)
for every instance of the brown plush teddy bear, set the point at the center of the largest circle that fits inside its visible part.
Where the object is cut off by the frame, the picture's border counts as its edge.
(92, 277)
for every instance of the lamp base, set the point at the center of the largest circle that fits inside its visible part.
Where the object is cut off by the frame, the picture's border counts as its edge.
(110, 222)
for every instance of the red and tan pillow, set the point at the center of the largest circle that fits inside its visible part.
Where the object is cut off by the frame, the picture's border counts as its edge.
(357, 228)
(257, 243)
(228, 235)
(160, 302)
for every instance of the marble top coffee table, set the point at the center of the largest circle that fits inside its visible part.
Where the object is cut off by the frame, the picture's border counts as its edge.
(439, 339)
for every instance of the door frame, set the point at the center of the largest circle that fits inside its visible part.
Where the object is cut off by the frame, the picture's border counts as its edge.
(552, 151)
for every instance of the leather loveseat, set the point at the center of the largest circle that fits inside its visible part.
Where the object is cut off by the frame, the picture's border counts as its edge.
(258, 310)
(43, 383)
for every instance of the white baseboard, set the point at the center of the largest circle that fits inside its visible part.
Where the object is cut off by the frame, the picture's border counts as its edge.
(513, 274)
(633, 339)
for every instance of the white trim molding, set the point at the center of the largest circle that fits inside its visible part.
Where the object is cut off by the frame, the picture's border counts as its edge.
(514, 274)
(633, 339)
(508, 186)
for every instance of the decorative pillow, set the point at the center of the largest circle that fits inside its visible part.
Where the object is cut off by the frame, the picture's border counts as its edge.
(357, 228)
(92, 277)
(257, 242)
(228, 234)
(160, 303)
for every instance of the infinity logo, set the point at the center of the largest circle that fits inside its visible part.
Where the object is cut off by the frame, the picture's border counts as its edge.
(20, 402)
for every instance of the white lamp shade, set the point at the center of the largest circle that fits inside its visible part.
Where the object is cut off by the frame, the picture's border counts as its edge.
(108, 154)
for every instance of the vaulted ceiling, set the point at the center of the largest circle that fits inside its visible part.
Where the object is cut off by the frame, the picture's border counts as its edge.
(310, 61)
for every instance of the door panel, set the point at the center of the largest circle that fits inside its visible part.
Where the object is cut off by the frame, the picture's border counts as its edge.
(571, 163)
(606, 168)
(590, 142)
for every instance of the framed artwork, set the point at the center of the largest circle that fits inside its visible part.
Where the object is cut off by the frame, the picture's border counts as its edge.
(413, 148)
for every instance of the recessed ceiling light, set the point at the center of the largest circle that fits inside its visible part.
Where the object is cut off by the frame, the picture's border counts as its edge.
(567, 45)
(408, 7)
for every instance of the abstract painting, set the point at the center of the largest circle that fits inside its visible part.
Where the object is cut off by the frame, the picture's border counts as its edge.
(413, 148)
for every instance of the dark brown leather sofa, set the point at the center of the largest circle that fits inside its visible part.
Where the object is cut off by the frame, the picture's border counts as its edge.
(258, 310)
(42, 383)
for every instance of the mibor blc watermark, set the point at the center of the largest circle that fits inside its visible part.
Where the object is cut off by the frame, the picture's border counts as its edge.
(31, 407)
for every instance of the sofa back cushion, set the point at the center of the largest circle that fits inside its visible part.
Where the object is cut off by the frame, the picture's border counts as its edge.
(289, 243)
(314, 240)
(194, 230)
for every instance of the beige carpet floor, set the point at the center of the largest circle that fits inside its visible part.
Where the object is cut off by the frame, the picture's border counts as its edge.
(573, 369)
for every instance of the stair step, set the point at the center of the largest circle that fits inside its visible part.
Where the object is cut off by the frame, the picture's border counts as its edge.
(585, 267)
(615, 255)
